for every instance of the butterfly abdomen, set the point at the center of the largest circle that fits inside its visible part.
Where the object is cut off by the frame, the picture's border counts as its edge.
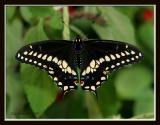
(78, 60)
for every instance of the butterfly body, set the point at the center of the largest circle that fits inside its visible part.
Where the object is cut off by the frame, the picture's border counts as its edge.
(78, 48)
(94, 58)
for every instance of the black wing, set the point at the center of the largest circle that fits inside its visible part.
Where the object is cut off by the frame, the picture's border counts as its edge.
(103, 56)
(56, 57)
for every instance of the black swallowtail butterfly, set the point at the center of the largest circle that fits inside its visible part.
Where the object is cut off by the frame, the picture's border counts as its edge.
(94, 58)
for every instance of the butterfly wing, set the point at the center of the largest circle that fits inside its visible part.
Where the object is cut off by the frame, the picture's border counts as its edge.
(103, 56)
(55, 57)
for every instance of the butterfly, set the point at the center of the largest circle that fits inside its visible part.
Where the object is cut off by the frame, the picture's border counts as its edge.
(95, 59)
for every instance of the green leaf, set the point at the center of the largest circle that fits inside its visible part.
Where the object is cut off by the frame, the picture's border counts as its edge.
(14, 41)
(15, 94)
(92, 106)
(130, 11)
(108, 100)
(39, 88)
(26, 14)
(146, 34)
(119, 26)
(31, 14)
(77, 105)
(72, 105)
(131, 82)
(36, 33)
(10, 11)
(145, 103)
(77, 109)
(41, 11)
(56, 22)
(83, 24)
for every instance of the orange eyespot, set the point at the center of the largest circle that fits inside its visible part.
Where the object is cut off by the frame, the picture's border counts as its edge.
(75, 82)
(82, 82)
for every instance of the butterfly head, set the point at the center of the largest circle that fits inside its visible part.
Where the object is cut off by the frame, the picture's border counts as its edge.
(78, 39)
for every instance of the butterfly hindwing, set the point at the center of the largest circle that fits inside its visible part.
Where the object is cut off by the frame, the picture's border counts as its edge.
(102, 57)
(52, 57)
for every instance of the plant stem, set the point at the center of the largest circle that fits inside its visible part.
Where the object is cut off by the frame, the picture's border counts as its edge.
(66, 32)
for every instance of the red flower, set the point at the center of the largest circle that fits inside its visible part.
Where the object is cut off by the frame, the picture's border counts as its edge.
(148, 15)
(71, 10)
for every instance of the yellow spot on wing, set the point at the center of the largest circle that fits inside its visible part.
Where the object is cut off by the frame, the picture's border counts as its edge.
(49, 58)
(44, 57)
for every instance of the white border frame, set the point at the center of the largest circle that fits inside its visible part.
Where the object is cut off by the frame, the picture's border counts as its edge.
(11, 119)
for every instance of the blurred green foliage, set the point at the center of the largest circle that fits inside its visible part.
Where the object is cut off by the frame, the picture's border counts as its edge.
(128, 93)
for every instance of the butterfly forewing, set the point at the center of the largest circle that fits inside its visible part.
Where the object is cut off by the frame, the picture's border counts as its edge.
(55, 57)
(101, 57)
